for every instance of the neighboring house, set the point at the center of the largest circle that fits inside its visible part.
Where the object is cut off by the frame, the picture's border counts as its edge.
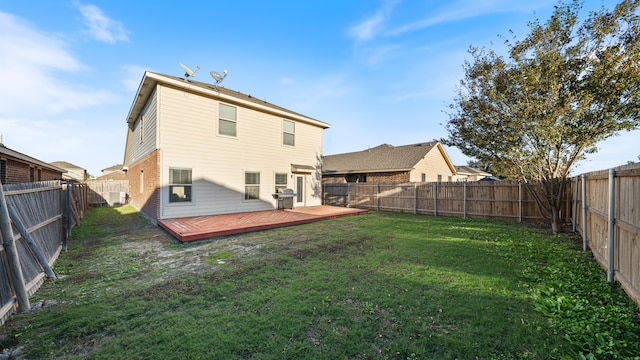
(74, 172)
(467, 173)
(390, 164)
(197, 149)
(113, 173)
(16, 167)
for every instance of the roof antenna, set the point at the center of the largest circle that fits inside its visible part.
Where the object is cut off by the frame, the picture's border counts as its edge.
(188, 72)
(218, 78)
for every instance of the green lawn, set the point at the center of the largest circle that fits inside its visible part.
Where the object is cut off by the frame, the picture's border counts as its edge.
(376, 286)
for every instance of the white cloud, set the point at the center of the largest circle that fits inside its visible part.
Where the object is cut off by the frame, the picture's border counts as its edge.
(466, 9)
(101, 27)
(287, 81)
(369, 27)
(30, 69)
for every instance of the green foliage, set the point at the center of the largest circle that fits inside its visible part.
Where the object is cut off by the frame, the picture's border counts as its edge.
(563, 88)
(376, 286)
(594, 316)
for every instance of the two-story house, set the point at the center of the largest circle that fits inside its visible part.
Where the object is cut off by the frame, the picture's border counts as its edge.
(197, 149)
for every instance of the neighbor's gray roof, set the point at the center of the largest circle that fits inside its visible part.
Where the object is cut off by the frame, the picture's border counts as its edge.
(380, 158)
(20, 156)
(113, 168)
(467, 170)
(65, 165)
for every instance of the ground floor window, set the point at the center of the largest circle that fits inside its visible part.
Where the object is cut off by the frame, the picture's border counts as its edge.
(281, 181)
(179, 185)
(251, 185)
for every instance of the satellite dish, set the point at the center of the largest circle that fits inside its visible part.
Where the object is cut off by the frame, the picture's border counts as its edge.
(217, 77)
(188, 72)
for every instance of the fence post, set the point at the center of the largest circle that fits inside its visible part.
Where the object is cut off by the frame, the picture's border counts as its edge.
(347, 198)
(377, 196)
(464, 199)
(435, 199)
(584, 212)
(519, 202)
(415, 198)
(68, 215)
(574, 204)
(13, 260)
(612, 222)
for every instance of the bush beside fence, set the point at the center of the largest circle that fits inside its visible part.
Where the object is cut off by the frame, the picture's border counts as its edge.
(42, 215)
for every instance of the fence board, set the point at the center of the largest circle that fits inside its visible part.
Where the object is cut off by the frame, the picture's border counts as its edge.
(99, 190)
(44, 209)
(490, 200)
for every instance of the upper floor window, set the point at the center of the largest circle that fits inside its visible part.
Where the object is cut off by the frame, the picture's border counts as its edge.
(251, 185)
(227, 120)
(179, 185)
(288, 132)
(423, 177)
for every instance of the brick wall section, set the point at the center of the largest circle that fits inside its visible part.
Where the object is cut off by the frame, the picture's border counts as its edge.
(145, 196)
(47, 175)
(20, 172)
(338, 179)
(383, 177)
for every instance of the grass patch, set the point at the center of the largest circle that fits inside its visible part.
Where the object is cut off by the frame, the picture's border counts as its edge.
(376, 286)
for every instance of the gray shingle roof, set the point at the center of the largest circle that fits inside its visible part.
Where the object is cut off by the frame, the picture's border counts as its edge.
(381, 158)
(238, 95)
(467, 170)
(20, 156)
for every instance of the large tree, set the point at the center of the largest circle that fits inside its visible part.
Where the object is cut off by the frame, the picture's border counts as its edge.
(536, 111)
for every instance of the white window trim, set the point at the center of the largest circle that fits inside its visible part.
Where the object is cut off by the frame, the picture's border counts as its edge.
(293, 133)
(244, 186)
(219, 117)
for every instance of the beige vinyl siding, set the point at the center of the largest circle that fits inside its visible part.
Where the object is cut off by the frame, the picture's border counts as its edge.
(188, 139)
(140, 149)
(432, 165)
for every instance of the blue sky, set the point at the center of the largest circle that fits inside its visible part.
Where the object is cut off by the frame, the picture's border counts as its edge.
(377, 71)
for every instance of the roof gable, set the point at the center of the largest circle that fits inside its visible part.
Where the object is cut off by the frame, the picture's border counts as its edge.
(381, 158)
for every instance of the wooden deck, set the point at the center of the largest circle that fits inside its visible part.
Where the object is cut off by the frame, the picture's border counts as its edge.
(205, 227)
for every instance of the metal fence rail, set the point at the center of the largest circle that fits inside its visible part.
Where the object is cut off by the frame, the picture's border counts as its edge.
(41, 217)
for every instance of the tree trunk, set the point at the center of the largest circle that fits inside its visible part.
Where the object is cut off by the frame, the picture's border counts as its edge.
(556, 220)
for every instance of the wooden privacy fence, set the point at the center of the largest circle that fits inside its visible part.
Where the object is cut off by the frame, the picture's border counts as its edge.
(36, 221)
(108, 192)
(500, 200)
(607, 208)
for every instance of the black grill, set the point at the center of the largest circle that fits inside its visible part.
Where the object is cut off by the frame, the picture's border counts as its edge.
(285, 198)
